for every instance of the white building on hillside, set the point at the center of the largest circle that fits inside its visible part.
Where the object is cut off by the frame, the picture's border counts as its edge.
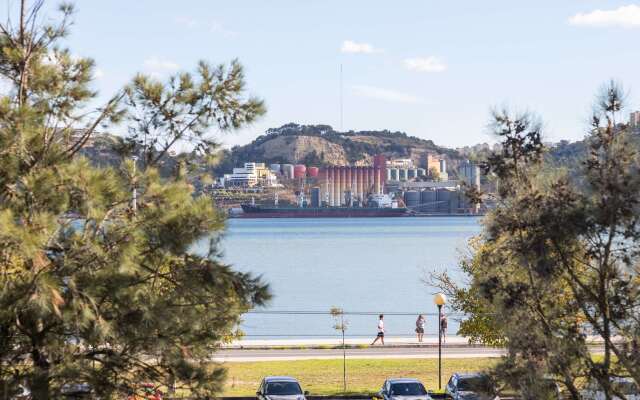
(252, 174)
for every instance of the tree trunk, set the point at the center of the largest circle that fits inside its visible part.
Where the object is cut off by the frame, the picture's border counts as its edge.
(39, 382)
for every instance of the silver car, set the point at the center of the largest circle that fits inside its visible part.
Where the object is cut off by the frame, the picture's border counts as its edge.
(471, 387)
(280, 388)
(624, 386)
(403, 389)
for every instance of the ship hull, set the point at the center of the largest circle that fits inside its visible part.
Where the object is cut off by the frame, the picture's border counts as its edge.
(250, 211)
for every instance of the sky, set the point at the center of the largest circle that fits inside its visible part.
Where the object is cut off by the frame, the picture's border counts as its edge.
(433, 69)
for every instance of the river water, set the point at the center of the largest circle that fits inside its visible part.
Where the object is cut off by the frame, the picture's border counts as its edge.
(362, 265)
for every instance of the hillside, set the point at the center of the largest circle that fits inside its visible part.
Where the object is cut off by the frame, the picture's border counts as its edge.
(322, 145)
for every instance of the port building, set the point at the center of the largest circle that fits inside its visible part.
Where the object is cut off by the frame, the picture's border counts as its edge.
(252, 174)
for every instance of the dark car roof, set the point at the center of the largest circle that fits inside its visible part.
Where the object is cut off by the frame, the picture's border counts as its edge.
(471, 375)
(403, 380)
(280, 379)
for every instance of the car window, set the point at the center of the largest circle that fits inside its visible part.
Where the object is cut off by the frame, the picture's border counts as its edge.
(478, 384)
(283, 388)
(408, 389)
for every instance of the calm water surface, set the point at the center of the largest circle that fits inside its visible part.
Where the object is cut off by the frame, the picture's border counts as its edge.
(362, 264)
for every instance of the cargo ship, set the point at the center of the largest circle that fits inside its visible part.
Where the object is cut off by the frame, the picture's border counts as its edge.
(257, 211)
(379, 205)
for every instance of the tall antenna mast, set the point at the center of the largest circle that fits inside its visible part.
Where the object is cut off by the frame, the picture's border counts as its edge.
(341, 102)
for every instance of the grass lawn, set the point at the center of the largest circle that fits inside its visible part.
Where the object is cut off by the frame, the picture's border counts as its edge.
(365, 375)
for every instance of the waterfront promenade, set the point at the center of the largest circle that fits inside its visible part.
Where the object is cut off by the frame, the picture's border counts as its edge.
(250, 350)
(429, 341)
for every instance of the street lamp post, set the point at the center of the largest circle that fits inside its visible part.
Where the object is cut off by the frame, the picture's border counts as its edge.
(439, 299)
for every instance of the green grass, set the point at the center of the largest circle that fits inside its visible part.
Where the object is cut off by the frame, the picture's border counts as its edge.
(363, 376)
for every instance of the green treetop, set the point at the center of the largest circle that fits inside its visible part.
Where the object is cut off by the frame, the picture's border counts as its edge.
(95, 286)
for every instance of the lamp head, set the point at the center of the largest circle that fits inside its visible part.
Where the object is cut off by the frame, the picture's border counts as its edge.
(440, 299)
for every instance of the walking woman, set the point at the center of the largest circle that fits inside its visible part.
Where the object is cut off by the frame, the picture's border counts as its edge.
(420, 322)
(443, 327)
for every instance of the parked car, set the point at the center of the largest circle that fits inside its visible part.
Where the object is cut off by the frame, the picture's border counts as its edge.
(471, 387)
(403, 389)
(78, 391)
(626, 386)
(280, 388)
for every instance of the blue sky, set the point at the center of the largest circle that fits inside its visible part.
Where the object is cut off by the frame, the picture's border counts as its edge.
(430, 68)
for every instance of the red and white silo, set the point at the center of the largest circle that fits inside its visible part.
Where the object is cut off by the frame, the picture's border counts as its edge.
(336, 186)
(313, 172)
(299, 171)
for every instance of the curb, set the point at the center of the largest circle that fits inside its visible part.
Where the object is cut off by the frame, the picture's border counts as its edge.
(353, 347)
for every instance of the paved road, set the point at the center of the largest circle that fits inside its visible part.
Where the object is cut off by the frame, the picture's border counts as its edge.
(246, 355)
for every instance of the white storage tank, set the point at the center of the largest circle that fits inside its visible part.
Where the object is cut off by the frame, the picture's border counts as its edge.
(287, 171)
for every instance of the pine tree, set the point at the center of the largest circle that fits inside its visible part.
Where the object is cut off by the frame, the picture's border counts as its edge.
(97, 286)
(557, 263)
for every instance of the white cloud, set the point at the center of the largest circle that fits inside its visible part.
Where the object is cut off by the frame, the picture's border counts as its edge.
(213, 27)
(217, 27)
(385, 94)
(625, 16)
(188, 22)
(98, 73)
(158, 66)
(349, 46)
(427, 64)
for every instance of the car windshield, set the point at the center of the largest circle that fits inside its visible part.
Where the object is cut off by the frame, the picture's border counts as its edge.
(407, 389)
(283, 388)
(478, 384)
(620, 386)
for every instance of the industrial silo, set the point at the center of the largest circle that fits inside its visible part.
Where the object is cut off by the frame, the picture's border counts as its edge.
(456, 202)
(287, 171)
(443, 197)
(315, 197)
(428, 201)
(360, 183)
(313, 172)
(377, 180)
(412, 199)
(299, 171)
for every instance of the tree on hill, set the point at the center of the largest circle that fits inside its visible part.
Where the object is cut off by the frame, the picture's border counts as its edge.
(558, 259)
(392, 144)
(99, 285)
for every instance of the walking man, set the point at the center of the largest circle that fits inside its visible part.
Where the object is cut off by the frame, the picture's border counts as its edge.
(420, 322)
(380, 331)
(443, 327)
